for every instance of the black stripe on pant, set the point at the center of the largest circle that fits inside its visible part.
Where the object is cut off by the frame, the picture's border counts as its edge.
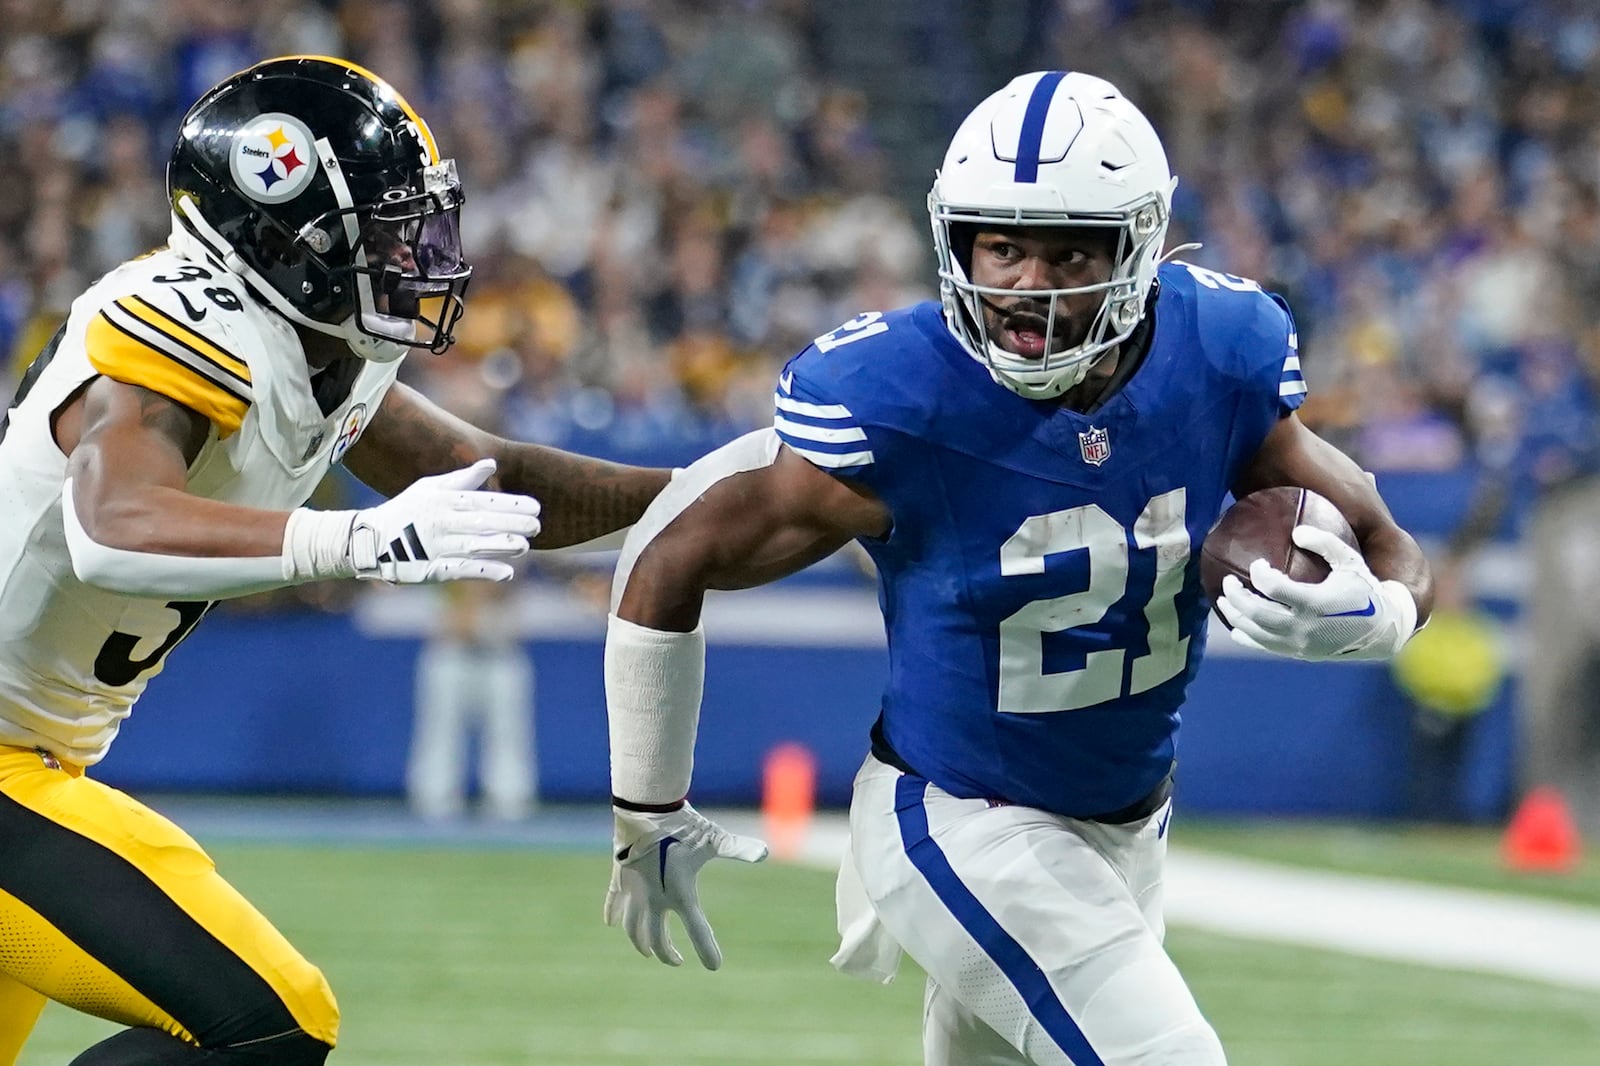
(105, 905)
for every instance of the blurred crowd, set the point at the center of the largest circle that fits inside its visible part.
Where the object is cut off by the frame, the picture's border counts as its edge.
(668, 198)
(1422, 179)
(665, 199)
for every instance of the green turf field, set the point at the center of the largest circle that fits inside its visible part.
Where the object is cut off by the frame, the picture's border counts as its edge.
(1466, 856)
(484, 958)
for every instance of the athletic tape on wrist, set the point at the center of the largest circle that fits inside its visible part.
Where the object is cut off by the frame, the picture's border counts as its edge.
(654, 681)
(317, 545)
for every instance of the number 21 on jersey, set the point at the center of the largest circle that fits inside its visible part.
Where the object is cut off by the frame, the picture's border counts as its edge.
(859, 328)
(1025, 688)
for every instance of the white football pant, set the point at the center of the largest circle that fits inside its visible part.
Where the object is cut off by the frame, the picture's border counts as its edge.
(1040, 935)
(462, 691)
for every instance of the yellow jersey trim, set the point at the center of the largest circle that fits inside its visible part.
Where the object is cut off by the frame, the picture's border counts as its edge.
(186, 338)
(125, 355)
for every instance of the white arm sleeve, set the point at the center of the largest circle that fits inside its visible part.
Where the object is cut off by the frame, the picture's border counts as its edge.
(147, 574)
(654, 681)
(755, 449)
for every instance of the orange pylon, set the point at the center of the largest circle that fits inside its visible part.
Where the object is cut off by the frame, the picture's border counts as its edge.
(1542, 836)
(788, 797)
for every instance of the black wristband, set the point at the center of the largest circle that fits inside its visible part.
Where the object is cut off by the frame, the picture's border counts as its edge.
(649, 808)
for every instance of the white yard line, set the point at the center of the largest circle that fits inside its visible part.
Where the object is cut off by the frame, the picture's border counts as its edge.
(1404, 921)
(1451, 928)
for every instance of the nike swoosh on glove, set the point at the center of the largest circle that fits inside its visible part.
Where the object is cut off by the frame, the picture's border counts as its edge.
(653, 871)
(1349, 614)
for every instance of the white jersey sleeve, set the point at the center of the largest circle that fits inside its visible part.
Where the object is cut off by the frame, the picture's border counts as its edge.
(74, 658)
(171, 333)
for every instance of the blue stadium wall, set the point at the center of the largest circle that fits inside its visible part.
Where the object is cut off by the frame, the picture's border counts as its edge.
(316, 703)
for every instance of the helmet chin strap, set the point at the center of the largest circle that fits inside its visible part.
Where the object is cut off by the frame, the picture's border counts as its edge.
(371, 348)
(1068, 377)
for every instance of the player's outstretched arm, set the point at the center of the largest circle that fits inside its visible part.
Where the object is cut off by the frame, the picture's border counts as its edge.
(1371, 602)
(132, 526)
(581, 498)
(746, 514)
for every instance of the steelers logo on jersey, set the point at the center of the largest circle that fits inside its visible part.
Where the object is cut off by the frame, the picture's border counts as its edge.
(349, 429)
(273, 158)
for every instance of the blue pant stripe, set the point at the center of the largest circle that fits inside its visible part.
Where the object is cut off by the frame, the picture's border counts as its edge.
(1033, 126)
(1010, 956)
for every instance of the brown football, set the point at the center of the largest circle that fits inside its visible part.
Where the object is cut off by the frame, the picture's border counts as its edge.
(1260, 527)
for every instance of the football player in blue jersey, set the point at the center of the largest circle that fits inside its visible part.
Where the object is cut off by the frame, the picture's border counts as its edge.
(1032, 463)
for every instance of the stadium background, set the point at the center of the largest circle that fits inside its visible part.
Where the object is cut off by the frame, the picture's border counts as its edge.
(667, 199)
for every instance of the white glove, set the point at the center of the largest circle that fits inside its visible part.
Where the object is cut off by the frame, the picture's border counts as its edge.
(441, 528)
(656, 861)
(1349, 614)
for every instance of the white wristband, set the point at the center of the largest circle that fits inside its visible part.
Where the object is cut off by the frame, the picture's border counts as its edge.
(654, 681)
(316, 545)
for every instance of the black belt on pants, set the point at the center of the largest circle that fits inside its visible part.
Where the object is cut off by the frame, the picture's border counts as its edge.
(1141, 808)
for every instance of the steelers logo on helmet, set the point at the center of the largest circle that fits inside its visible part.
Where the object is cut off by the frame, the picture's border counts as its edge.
(273, 158)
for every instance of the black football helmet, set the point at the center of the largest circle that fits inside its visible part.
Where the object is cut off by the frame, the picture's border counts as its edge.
(317, 183)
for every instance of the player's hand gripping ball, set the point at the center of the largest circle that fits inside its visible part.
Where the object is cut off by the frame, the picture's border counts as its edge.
(1285, 574)
(1261, 526)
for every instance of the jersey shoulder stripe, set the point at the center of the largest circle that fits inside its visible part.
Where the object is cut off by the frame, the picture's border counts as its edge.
(183, 342)
(825, 434)
(1293, 382)
(1247, 333)
(133, 342)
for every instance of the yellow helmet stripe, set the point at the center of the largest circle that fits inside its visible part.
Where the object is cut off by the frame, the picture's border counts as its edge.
(422, 127)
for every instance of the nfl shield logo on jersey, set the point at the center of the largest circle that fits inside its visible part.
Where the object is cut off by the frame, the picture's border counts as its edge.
(1096, 445)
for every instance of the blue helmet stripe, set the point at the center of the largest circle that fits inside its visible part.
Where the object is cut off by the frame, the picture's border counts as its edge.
(1033, 125)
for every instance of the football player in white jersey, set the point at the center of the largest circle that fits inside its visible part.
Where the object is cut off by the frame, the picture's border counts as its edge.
(157, 458)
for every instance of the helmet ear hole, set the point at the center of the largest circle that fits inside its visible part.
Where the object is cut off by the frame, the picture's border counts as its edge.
(963, 235)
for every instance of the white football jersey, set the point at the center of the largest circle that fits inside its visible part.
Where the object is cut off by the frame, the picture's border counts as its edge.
(73, 659)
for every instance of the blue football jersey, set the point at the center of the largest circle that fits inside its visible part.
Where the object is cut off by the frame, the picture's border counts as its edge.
(1040, 584)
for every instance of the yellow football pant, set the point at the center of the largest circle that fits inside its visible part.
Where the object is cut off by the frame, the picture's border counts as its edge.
(113, 910)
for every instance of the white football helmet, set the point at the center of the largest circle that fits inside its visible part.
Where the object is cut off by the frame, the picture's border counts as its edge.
(1052, 149)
